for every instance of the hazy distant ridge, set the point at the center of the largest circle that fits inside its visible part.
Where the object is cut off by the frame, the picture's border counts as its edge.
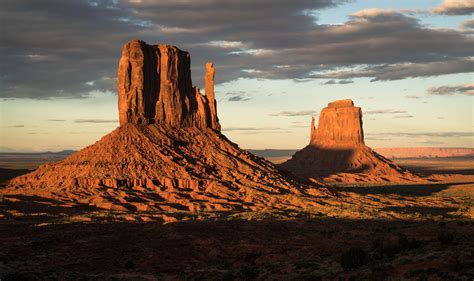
(389, 152)
(424, 152)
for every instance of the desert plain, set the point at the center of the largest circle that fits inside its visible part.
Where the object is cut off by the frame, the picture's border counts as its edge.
(167, 196)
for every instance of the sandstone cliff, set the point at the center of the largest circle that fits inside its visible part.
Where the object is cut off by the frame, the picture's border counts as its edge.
(340, 123)
(154, 86)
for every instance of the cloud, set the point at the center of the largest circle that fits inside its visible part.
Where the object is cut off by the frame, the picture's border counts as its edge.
(468, 24)
(84, 41)
(17, 126)
(95, 121)
(250, 129)
(452, 134)
(236, 96)
(295, 113)
(455, 7)
(384, 111)
(377, 139)
(56, 120)
(403, 116)
(466, 89)
(332, 82)
(399, 71)
(413, 97)
(226, 44)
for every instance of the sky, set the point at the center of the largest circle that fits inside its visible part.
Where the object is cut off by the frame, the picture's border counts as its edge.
(408, 64)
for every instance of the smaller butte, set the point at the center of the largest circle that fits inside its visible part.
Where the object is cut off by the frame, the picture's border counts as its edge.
(337, 151)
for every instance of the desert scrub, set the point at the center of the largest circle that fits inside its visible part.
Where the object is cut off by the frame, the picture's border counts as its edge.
(445, 237)
(353, 258)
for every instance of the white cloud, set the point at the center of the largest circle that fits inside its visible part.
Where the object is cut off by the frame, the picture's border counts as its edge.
(226, 44)
(465, 89)
(455, 7)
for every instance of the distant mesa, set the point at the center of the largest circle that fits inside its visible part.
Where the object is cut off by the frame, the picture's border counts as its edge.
(168, 153)
(337, 151)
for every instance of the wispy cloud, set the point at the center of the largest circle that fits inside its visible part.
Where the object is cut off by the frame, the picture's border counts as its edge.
(236, 96)
(397, 71)
(56, 120)
(385, 111)
(412, 97)
(466, 89)
(226, 44)
(455, 7)
(247, 129)
(451, 134)
(295, 113)
(341, 82)
(17, 126)
(95, 121)
(468, 24)
(403, 116)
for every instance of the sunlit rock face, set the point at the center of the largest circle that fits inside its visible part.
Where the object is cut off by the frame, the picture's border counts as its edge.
(340, 124)
(155, 87)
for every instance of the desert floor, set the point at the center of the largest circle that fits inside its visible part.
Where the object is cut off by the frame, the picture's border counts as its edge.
(389, 232)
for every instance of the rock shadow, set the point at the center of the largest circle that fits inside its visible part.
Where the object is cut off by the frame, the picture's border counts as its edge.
(316, 160)
(235, 250)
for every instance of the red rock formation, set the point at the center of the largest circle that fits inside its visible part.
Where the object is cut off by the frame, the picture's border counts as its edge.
(154, 85)
(337, 152)
(168, 154)
(209, 85)
(339, 124)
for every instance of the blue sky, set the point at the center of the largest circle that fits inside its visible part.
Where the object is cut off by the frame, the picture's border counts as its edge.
(58, 82)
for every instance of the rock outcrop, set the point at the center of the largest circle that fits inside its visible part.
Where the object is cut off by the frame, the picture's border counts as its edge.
(337, 152)
(340, 124)
(168, 153)
(155, 87)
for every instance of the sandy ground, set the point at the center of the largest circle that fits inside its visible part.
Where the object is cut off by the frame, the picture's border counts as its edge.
(364, 232)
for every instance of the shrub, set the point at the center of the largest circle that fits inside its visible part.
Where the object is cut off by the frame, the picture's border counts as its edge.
(408, 243)
(445, 237)
(353, 258)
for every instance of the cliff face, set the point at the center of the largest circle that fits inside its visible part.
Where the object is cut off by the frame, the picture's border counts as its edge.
(340, 124)
(155, 87)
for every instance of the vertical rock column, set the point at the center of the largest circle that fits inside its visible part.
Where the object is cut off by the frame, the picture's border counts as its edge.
(209, 86)
(138, 83)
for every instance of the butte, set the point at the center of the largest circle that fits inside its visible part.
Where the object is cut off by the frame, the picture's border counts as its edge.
(168, 154)
(337, 151)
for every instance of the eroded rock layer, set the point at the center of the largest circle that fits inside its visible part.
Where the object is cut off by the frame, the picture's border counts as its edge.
(337, 152)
